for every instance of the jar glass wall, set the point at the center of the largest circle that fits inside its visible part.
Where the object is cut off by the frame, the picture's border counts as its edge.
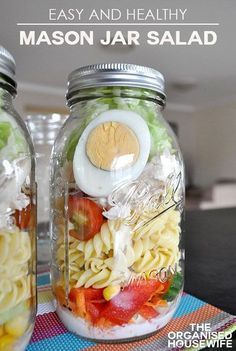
(117, 193)
(17, 229)
(43, 129)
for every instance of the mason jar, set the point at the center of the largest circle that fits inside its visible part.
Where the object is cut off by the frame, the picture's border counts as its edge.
(17, 218)
(117, 195)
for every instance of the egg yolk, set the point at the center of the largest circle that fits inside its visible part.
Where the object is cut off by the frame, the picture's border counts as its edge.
(112, 146)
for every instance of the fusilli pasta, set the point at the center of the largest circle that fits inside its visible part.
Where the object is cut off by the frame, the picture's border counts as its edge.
(15, 252)
(119, 250)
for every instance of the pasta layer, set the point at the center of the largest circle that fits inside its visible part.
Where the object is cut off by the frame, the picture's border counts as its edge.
(119, 250)
(15, 253)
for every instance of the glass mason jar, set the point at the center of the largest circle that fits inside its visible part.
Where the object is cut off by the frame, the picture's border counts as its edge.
(43, 129)
(117, 193)
(17, 218)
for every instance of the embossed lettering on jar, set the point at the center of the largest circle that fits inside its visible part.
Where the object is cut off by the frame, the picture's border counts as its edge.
(117, 196)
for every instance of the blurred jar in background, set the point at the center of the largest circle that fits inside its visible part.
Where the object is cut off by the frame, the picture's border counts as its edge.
(43, 129)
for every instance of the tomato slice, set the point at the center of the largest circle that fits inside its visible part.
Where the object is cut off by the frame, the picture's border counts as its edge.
(148, 312)
(122, 307)
(86, 216)
(22, 217)
(94, 311)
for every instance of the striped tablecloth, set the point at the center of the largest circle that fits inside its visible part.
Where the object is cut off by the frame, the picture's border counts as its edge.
(50, 334)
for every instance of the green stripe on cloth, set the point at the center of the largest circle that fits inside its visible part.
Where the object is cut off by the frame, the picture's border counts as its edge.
(45, 296)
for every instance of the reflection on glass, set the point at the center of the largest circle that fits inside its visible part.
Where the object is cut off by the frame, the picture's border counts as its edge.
(43, 129)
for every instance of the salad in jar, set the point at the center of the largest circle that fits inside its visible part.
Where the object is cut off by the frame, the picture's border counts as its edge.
(116, 200)
(17, 227)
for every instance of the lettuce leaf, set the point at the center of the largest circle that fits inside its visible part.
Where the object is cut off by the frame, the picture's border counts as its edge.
(12, 140)
(5, 131)
(146, 108)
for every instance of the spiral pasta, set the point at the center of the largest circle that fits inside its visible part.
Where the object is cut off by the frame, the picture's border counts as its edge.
(119, 250)
(15, 252)
(100, 261)
(101, 243)
(156, 241)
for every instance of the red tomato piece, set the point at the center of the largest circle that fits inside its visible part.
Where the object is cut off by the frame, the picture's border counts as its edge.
(94, 310)
(148, 312)
(122, 307)
(22, 217)
(86, 216)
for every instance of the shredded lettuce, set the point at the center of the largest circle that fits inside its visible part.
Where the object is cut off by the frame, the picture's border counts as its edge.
(119, 98)
(5, 131)
(12, 141)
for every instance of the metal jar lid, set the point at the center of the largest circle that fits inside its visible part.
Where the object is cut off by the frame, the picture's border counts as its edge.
(115, 74)
(7, 68)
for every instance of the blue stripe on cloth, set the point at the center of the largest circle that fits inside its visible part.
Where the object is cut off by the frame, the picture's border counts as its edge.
(43, 279)
(62, 342)
(188, 304)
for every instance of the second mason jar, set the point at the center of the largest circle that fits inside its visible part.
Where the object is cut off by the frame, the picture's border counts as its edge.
(17, 218)
(117, 192)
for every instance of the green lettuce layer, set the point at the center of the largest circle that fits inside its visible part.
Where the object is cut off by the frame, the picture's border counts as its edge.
(140, 103)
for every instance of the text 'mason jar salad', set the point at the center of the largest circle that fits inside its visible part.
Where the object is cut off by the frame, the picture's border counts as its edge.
(117, 193)
(17, 218)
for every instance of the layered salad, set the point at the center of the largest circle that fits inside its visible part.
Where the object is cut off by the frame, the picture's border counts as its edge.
(16, 223)
(117, 197)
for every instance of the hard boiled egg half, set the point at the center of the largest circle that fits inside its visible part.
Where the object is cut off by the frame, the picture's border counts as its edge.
(112, 149)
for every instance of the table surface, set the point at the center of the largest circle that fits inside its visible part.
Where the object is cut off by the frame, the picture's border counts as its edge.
(210, 271)
(210, 266)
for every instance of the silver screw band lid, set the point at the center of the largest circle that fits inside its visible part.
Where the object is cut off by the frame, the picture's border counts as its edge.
(115, 74)
(7, 63)
(7, 69)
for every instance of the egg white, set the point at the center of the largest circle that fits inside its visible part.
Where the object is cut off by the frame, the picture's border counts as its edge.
(97, 182)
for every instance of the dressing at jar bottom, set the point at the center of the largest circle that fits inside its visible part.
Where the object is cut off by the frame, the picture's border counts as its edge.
(139, 328)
